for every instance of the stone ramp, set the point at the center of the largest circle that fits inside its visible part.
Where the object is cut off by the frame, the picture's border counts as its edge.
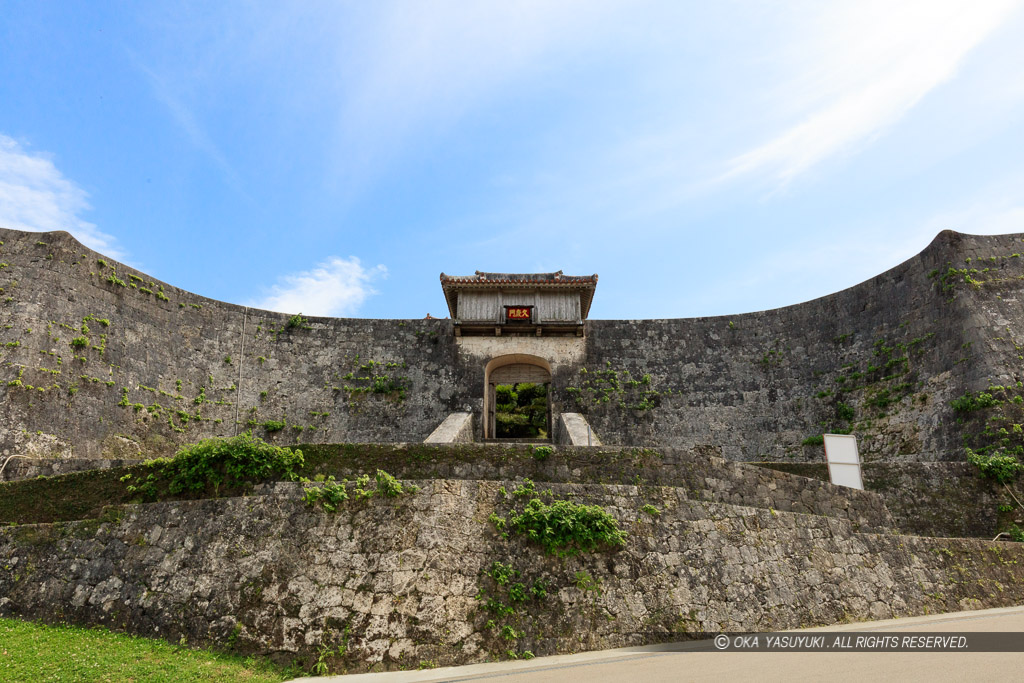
(456, 428)
(701, 475)
(30, 468)
(396, 582)
(925, 498)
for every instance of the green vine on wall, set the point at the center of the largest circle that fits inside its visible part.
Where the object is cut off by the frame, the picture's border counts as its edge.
(330, 494)
(504, 599)
(874, 386)
(561, 527)
(772, 358)
(607, 385)
(993, 420)
(993, 438)
(950, 280)
(379, 378)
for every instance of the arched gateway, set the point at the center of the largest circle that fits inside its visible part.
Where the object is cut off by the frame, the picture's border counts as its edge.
(514, 370)
(521, 328)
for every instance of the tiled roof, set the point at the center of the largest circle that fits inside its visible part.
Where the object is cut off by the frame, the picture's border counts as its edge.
(452, 284)
(481, 278)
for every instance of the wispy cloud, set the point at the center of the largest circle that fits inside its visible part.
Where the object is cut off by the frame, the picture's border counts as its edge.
(186, 120)
(874, 62)
(996, 210)
(35, 196)
(797, 84)
(336, 287)
(860, 249)
(425, 66)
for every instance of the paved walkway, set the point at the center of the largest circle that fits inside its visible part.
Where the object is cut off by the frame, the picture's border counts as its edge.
(658, 663)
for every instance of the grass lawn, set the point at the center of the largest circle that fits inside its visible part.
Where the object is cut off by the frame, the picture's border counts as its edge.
(36, 652)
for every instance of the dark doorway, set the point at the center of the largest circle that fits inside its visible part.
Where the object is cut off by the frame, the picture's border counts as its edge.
(521, 411)
(524, 382)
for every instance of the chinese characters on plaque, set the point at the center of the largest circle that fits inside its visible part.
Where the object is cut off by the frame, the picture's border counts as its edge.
(518, 314)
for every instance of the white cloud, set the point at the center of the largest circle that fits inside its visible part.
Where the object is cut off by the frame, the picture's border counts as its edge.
(336, 287)
(874, 61)
(35, 196)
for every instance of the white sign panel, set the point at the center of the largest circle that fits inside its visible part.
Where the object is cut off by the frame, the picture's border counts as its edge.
(843, 460)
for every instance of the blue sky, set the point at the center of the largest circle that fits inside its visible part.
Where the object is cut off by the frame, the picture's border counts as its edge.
(334, 157)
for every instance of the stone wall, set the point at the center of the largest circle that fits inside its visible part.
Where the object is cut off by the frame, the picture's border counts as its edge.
(701, 476)
(155, 366)
(758, 385)
(931, 498)
(391, 583)
(101, 361)
(30, 468)
(924, 499)
(699, 473)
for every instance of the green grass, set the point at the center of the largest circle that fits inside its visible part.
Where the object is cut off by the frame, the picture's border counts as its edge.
(35, 652)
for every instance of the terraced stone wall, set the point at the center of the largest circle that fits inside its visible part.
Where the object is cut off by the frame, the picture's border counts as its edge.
(391, 583)
(932, 498)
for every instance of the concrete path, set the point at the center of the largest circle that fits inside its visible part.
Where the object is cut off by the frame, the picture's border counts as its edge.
(657, 663)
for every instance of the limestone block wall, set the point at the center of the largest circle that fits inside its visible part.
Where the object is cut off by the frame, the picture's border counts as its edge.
(883, 359)
(700, 474)
(32, 468)
(396, 582)
(932, 498)
(98, 360)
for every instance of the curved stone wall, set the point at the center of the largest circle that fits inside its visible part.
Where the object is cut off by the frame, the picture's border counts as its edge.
(758, 385)
(99, 360)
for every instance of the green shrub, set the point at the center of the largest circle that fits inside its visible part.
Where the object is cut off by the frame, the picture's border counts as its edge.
(331, 494)
(521, 410)
(651, 510)
(274, 425)
(970, 402)
(382, 384)
(502, 573)
(231, 462)
(565, 528)
(585, 582)
(1001, 467)
(297, 322)
(815, 440)
(79, 342)
(389, 487)
(541, 452)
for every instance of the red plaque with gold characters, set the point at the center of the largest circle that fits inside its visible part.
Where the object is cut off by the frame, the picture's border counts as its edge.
(518, 314)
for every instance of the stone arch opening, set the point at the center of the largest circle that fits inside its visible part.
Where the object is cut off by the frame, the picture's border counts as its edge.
(514, 369)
